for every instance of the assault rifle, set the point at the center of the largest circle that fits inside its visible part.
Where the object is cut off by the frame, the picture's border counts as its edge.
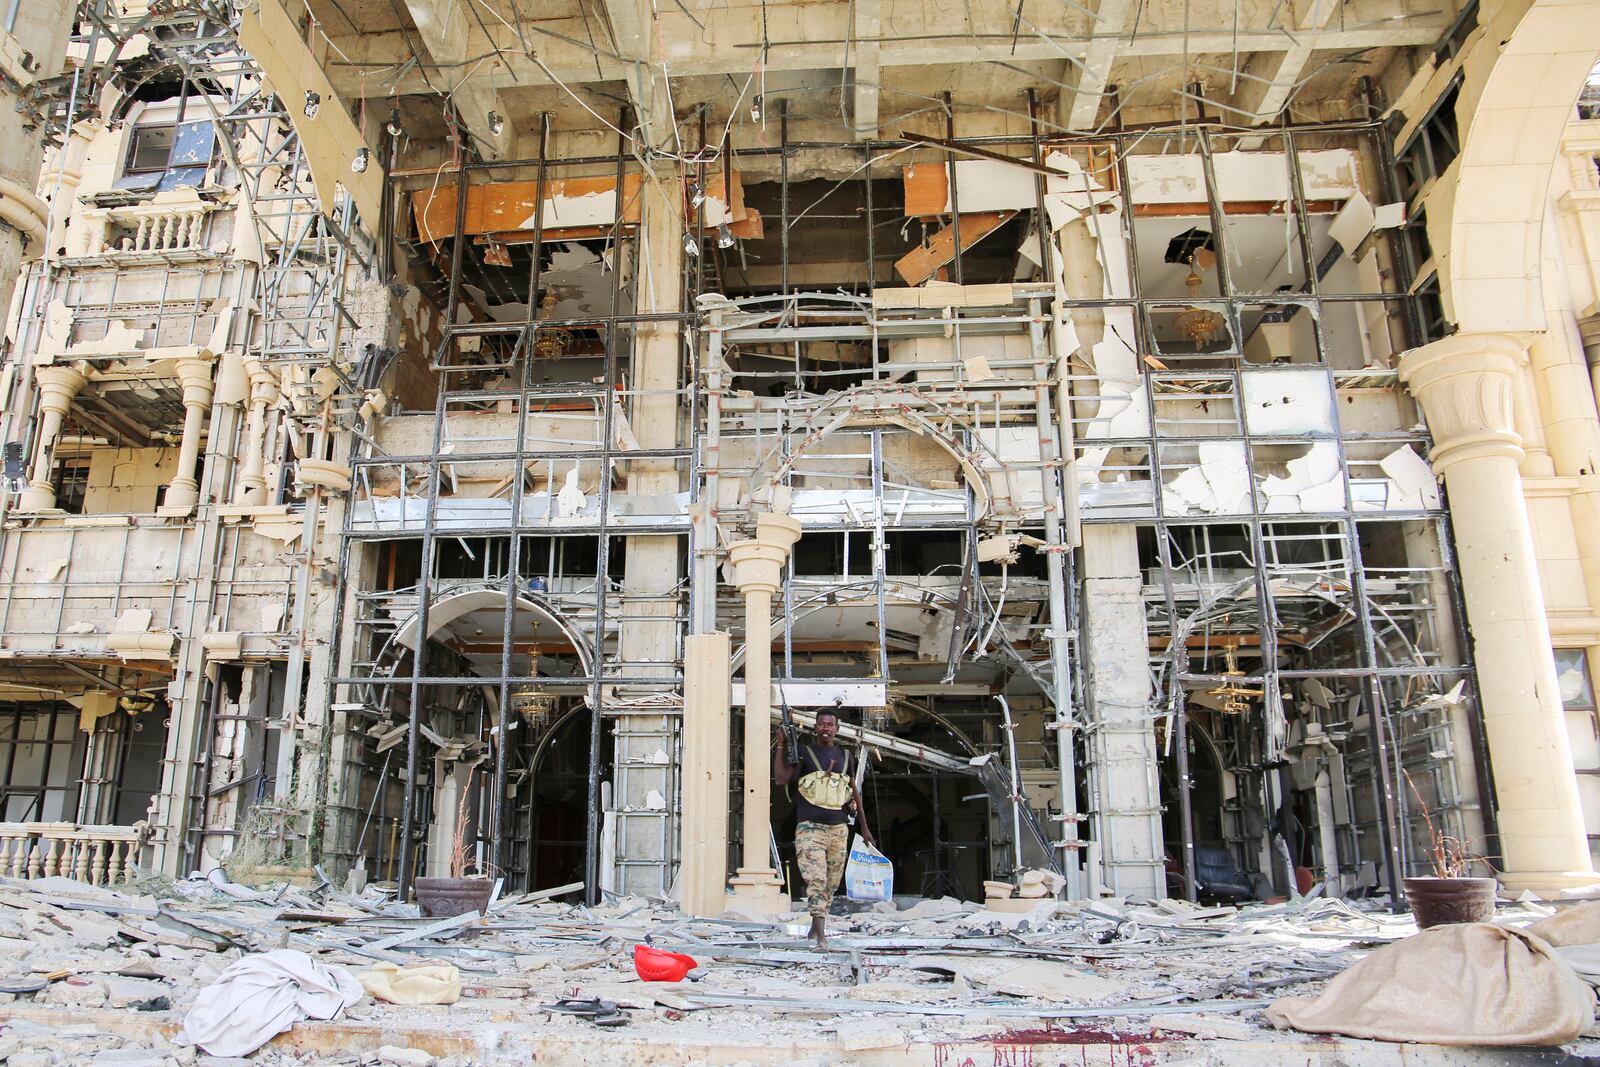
(790, 732)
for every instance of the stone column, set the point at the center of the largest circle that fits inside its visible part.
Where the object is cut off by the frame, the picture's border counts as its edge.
(252, 486)
(650, 601)
(1122, 744)
(58, 185)
(758, 572)
(184, 491)
(1466, 385)
(703, 869)
(57, 387)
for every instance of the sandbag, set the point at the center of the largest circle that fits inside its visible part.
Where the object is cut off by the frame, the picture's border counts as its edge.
(868, 875)
(1577, 925)
(1575, 935)
(1468, 984)
(415, 983)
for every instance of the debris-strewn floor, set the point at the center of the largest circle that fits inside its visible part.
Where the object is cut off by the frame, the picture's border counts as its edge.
(938, 972)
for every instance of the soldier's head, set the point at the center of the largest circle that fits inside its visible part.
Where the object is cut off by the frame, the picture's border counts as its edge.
(827, 727)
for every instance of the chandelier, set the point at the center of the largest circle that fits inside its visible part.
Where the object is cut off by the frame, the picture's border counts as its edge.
(1198, 325)
(554, 341)
(1233, 696)
(536, 708)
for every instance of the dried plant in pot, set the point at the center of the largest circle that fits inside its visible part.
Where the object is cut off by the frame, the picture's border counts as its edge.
(460, 892)
(1451, 894)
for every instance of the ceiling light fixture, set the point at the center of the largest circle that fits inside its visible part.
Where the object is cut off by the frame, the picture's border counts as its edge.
(496, 254)
(724, 236)
(550, 342)
(1201, 326)
(313, 101)
(394, 127)
(690, 245)
(363, 157)
(697, 195)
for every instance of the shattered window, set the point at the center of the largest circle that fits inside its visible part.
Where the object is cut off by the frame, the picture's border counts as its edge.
(163, 157)
(1572, 678)
(42, 750)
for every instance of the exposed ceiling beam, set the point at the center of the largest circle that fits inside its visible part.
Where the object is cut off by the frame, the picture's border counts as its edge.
(867, 52)
(446, 34)
(1273, 75)
(631, 24)
(733, 46)
(1094, 74)
(332, 140)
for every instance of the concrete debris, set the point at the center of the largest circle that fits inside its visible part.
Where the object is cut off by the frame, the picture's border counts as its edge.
(123, 967)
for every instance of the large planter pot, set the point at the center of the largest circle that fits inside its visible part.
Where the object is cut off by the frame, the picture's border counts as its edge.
(444, 897)
(1441, 901)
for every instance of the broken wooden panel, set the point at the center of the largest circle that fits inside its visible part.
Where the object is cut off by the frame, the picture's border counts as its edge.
(573, 208)
(920, 264)
(509, 207)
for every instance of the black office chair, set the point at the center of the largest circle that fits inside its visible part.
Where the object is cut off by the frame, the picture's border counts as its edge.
(1219, 877)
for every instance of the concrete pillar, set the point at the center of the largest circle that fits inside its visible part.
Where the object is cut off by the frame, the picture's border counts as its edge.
(184, 491)
(758, 565)
(59, 184)
(1466, 384)
(252, 485)
(707, 697)
(1566, 396)
(1122, 744)
(40, 30)
(57, 387)
(650, 599)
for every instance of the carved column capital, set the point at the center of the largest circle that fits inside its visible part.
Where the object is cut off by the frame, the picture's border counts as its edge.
(1466, 384)
(758, 562)
(198, 383)
(263, 383)
(58, 385)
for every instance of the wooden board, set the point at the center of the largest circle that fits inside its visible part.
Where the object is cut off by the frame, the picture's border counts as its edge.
(927, 188)
(331, 140)
(502, 207)
(920, 264)
(506, 209)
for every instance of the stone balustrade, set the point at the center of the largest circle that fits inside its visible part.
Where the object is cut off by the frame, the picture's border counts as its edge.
(170, 226)
(99, 855)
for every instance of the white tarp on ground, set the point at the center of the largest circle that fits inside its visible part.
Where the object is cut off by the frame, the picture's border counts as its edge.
(1470, 984)
(261, 996)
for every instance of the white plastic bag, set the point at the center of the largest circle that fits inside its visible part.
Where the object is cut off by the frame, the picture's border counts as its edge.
(868, 875)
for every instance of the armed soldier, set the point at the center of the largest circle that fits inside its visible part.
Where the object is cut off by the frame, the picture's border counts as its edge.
(828, 795)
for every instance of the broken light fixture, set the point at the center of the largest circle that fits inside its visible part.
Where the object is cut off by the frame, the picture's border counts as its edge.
(1200, 326)
(1196, 249)
(496, 254)
(550, 342)
(1233, 696)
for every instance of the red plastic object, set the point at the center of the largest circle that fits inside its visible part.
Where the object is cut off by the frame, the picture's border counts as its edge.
(658, 965)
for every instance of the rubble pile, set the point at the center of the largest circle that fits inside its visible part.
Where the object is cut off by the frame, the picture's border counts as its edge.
(924, 970)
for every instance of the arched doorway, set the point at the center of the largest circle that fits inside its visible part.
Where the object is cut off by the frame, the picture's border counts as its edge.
(459, 760)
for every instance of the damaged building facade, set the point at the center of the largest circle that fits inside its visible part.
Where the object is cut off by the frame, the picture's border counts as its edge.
(443, 433)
